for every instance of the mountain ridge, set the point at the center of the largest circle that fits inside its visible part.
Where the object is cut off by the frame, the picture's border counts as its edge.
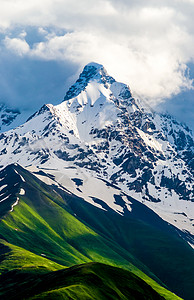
(102, 131)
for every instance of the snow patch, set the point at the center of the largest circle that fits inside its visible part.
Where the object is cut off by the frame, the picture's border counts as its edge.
(22, 178)
(192, 245)
(17, 201)
(7, 197)
(22, 192)
(3, 186)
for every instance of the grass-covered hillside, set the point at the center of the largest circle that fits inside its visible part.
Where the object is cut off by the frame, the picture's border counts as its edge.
(43, 234)
(86, 281)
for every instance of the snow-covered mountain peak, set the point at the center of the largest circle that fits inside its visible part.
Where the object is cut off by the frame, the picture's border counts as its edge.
(95, 101)
(97, 89)
(102, 130)
(95, 65)
(91, 72)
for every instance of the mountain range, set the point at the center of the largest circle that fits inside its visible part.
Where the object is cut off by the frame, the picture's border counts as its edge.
(95, 189)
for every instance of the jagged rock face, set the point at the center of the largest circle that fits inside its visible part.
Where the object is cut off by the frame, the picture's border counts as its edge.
(101, 128)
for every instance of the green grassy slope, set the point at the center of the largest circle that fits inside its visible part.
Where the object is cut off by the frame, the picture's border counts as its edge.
(86, 281)
(43, 231)
(167, 255)
(25, 275)
(15, 258)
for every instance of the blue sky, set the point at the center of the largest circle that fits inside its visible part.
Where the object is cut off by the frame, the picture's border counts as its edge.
(147, 44)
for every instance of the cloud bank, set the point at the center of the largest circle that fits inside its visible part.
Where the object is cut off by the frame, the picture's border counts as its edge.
(146, 44)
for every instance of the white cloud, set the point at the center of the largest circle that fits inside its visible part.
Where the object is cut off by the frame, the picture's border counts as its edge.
(18, 45)
(146, 44)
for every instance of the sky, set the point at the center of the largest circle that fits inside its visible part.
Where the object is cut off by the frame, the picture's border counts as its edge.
(148, 45)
